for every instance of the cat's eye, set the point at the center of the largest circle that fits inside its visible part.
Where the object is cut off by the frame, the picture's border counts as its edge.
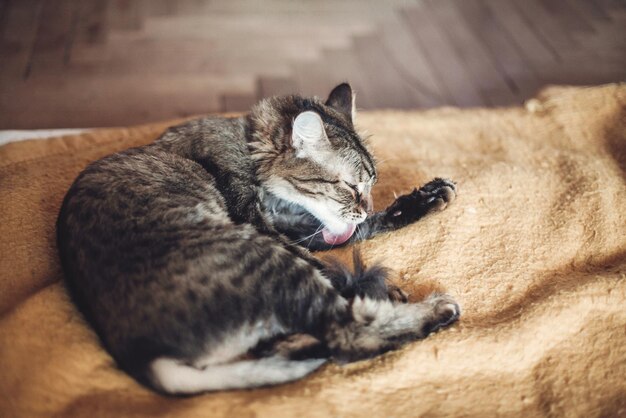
(355, 188)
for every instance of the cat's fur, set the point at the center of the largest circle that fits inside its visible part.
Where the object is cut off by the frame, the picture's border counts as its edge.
(182, 253)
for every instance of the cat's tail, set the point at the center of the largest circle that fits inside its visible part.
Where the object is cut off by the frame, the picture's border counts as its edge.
(174, 377)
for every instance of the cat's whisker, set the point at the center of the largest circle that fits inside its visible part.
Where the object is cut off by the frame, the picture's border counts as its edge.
(319, 229)
(361, 233)
(307, 237)
(381, 162)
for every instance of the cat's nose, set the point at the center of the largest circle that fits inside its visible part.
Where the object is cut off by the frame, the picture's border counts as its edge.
(367, 203)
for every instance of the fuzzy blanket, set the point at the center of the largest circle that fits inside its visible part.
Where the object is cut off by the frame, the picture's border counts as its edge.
(534, 249)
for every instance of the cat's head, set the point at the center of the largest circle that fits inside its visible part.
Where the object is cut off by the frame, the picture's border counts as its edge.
(308, 153)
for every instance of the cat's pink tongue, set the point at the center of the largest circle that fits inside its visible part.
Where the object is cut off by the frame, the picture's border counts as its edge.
(338, 239)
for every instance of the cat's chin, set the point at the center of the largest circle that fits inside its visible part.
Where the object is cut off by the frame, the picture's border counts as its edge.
(333, 238)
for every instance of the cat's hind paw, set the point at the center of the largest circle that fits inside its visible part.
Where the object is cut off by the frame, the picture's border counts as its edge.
(445, 311)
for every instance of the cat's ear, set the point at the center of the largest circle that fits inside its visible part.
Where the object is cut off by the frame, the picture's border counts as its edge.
(342, 99)
(308, 130)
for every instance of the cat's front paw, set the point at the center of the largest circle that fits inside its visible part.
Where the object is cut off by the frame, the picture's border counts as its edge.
(438, 193)
(445, 311)
(435, 195)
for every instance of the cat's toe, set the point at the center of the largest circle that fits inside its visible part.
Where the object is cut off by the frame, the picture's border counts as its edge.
(396, 294)
(437, 183)
(445, 312)
(448, 192)
(440, 193)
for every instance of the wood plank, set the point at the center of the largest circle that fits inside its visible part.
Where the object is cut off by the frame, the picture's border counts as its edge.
(268, 86)
(109, 101)
(602, 24)
(344, 66)
(501, 47)
(238, 102)
(189, 7)
(600, 58)
(124, 14)
(610, 5)
(483, 70)
(17, 38)
(591, 8)
(247, 25)
(123, 56)
(249, 38)
(447, 67)
(359, 8)
(609, 39)
(157, 8)
(540, 56)
(572, 20)
(53, 39)
(550, 29)
(133, 61)
(318, 78)
(410, 61)
(618, 23)
(91, 27)
(312, 77)
(4, 6)
(388, 89)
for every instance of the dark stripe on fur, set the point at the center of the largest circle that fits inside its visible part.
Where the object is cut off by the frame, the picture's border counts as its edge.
(361, 281)
(314, 180)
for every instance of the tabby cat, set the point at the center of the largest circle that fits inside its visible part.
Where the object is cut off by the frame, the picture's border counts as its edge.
(183, 254)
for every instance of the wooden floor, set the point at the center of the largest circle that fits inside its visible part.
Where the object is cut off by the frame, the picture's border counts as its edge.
(85, 63)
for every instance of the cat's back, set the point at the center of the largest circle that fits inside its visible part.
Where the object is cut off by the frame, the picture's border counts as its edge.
(132, 210)
(138, 185)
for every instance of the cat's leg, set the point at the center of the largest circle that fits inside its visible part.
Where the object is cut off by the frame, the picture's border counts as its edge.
(366, 326)
(361, 327)
(240, 288)
(378, 326)
(347, 331)
(434, 196)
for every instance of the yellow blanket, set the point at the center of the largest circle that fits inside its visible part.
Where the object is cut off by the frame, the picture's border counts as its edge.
(534, 249)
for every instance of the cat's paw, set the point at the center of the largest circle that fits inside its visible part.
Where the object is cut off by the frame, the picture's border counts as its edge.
(438, 193)
(445, 311)
(434, 196)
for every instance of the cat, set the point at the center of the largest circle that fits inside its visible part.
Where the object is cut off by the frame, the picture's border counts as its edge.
(188, 254)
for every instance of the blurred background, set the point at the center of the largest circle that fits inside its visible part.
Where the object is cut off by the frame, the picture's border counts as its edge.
(93, 63)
